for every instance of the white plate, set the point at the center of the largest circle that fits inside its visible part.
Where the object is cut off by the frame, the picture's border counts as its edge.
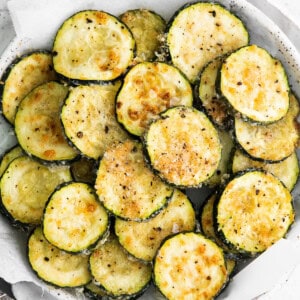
(33, 33)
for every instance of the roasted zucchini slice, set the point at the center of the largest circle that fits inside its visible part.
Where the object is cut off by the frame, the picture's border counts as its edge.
(183, 146)
(25, 188)
(92, 45)
(24, 74)
(200, 32)
(213, 102)
(272, 142)
(55, 266)
(147, 28)
(255, 84)
(9, 156)
(117, 272)
(74, 220)
(38, 127)
(88, 118)
(254, 211)
(127, 187)
(189, 266)
(148, 89)
(142, 239)
(286, 170)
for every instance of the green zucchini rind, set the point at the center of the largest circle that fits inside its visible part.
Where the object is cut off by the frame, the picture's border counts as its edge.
(253, 212)
(213, 102)
(55, 266)
(25, 187)
(89, 121)
(25, 73)
(142, 239)
(8, 156)
(189, 266)
(118, 273)
(255, 84)
(183, 147)
(200, 32)
(92, 46)
(74, 220)
(148, 89)
(273, 142)
(127, 187)
(147, 28)
(286, 170)
(37, 124)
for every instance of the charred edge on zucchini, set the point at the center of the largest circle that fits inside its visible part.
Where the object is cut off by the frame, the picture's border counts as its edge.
(92, 46)
(181, 159)
(148, 89)
(24, 73)
(219, 32)
(197, 266)
(55, 266)
(253, 212)
(74, 220)
(117, 272)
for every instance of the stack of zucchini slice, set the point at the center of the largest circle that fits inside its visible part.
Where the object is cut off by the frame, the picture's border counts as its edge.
(119, 121)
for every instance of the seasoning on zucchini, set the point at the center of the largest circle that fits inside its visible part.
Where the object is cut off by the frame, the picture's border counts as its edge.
(200, 32)
(286, 170)
(254, 211)
(88, 118)
(24, 74)
(25, 187)
(189, 266)
(142, 239)
(183, 146)
(37, 124)
(55, 266)
(272, 142)
(147, 28)
(127, 187)
(255, 84)
(118, 272)
(148, 89)
(214, 103)
(74, 220)
(94, 46)
(9, 156)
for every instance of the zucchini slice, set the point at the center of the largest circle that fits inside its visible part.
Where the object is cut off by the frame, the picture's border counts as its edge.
(255, 84)
(254, 211)
(24, 74)
(147, 28)
(9, 156)
(127, 187)
(200, 32)
(25, 188)
(37, 123)
(55, 266)
(88, 118)
(117, 272)
(211, 100)
(92, 45)
(74, 219)
(272, 142)
(142, 239)
(183, 146)
(286, 170)
(189, 266)
(148, 89)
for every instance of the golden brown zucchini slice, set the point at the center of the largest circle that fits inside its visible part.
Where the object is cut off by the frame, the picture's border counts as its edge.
(200, 32)
(127, 187)
(92, 45)
(183, 146)
(189, 266)
(9, 156)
